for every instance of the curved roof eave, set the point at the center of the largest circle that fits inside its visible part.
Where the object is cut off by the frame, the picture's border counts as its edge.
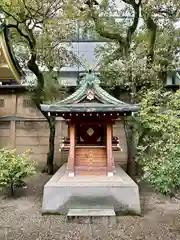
(88, 108)
(76, 96)
(90, 88)
(12, 63)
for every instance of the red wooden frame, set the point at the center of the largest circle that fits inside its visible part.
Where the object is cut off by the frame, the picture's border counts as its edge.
(108, 141)
(70, 164)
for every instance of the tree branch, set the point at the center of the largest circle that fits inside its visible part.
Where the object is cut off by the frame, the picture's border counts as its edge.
(167, 11)
(16, 26)
(112, 33)
(133, 27)
(57, 5)
(32, 62)
(99, 24)
(152, 28)
(117, 53)
(103, 32)
(25, 6)
(9, 15)
(40, 78)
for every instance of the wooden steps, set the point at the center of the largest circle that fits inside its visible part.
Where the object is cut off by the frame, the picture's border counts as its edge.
(90, 161)
(84, 171)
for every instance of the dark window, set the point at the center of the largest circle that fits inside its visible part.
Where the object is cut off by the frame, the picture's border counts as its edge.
(27, 103)
(1, 103)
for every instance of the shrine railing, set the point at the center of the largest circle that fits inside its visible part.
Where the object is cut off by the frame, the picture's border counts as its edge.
(65, 145)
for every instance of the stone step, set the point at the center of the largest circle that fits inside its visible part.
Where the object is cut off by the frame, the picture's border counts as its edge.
(90, 170)
(79, 212)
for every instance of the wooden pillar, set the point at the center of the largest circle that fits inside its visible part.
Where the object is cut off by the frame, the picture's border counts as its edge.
(113, 163)
(109, 149)
(71, 158)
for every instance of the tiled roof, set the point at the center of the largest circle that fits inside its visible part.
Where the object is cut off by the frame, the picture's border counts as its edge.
(90, 97)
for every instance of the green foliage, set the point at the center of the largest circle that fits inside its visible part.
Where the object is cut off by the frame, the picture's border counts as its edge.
(39, 30)
(162, 169)
(158, 149)
(133, 70)
(14, 168)
(38, 33)
(141, 64)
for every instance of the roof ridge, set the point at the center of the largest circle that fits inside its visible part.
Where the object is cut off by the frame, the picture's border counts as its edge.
(90, 89)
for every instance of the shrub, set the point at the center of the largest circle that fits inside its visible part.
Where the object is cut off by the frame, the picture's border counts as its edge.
(158, 152)
(14, 168)
(163, 170)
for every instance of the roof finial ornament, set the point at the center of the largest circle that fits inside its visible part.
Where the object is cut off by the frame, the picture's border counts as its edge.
(90, 69)
(90, 78)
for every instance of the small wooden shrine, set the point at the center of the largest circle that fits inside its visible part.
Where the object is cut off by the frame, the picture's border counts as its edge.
(90, 113)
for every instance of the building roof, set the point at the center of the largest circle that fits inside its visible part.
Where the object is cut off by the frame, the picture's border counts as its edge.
(89, 97)
(9, 67)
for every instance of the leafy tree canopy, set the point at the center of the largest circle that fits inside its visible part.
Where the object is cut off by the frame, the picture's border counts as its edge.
(143, 48)
(38, 29)
(144, 41)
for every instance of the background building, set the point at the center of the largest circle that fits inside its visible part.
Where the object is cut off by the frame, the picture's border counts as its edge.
(84, 43)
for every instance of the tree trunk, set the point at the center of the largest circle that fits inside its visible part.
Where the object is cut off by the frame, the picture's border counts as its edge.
(129, 130)
(131, 164)
(50, 155)
(11, 190)
(152, 29)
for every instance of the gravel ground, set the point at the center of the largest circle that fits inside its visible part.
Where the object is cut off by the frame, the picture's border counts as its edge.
(21, 219)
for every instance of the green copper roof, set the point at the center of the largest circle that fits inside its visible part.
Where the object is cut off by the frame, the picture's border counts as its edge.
(90, 97)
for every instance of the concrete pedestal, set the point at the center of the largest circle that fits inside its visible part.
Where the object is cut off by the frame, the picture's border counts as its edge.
(62, 193)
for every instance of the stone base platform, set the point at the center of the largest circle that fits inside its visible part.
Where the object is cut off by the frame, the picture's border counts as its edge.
(63, 193)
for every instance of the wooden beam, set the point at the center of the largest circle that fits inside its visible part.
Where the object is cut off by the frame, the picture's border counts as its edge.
(71, 158)
(92, 121)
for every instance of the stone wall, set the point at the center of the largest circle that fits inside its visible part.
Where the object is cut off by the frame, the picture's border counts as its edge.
(23, 127)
